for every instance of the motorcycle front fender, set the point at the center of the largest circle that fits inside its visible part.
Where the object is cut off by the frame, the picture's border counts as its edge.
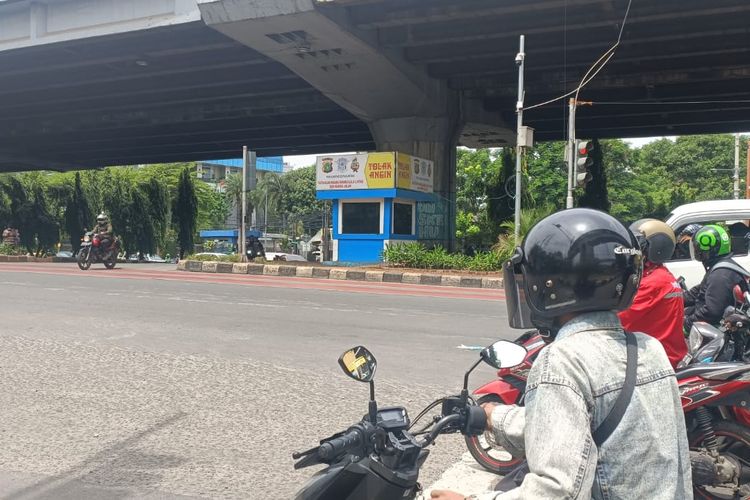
(507, 392)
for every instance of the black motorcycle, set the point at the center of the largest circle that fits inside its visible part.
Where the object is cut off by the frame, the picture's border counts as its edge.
(730, 342)
(379, 458)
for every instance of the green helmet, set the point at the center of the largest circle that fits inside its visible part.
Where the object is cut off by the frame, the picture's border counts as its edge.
(711, 242)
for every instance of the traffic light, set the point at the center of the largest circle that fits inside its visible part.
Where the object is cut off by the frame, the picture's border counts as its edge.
(583, 161)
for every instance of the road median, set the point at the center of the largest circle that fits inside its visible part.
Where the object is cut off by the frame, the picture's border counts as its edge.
(394, 275)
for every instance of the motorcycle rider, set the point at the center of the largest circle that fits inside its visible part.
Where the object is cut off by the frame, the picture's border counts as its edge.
(574, 269)
(708, 300)
(104, 229)
(657, 308)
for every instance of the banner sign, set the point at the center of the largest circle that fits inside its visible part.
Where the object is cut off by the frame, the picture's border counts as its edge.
(415, 173)
(374, 171)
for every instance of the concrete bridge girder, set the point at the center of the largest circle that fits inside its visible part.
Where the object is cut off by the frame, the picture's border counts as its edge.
(405, 109)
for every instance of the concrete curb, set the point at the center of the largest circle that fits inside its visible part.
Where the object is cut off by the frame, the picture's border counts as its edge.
(341, 273)
(38, 260)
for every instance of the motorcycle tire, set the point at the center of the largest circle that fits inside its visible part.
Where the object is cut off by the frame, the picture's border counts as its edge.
(494, 460)
(730, 435)
(84, 263)
(111, 262)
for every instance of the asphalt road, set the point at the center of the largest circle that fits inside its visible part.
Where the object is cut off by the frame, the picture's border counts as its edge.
(149, 383)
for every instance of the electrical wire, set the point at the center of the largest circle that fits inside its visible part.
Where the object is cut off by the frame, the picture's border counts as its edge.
(667, 103)
(599, 64)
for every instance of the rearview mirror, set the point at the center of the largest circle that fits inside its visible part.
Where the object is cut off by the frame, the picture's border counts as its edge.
(359, 364)
(504, 354)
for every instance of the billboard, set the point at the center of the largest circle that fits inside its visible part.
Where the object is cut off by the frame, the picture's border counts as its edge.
(387, 170)
(415, 173)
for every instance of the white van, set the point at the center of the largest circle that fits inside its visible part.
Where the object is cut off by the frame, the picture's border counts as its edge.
(734, 214)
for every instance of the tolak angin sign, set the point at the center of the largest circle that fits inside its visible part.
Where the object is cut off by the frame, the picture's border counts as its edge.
(374, 171)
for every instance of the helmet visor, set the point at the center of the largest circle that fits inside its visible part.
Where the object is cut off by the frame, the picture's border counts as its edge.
(519, 315)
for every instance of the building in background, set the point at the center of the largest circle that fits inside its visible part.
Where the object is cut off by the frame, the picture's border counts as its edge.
(216, 171)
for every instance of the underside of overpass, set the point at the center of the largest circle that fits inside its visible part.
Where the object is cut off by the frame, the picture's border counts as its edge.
(304, 76)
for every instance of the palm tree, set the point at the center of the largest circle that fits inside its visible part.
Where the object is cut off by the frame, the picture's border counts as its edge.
(269, 193)
(529, 216)
(233, 192)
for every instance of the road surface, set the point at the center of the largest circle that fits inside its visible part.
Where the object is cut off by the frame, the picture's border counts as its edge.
(145, 382)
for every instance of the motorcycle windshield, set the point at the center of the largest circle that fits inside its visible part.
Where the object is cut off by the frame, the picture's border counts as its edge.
(519, 315)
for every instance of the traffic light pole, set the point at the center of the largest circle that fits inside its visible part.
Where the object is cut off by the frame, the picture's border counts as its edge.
(571, 152)
(519, 147)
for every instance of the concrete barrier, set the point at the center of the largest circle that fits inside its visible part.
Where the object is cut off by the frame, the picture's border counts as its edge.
(224, 267)
(210, 267)
(336, 273)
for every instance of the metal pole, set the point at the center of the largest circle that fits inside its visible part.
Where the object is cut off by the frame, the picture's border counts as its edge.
(245, 166)
(736, 166)
(571, 152)
(265, 215)
(519, 148)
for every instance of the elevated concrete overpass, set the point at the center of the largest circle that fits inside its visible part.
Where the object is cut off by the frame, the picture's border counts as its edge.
(89, 83)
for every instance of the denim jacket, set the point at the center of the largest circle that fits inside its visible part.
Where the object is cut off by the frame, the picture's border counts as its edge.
(571, 388)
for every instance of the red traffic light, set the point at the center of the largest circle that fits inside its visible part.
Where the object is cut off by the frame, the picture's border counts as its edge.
(585, 147)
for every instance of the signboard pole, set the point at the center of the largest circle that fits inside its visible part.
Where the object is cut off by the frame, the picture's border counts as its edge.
(519, 148)
(245, 169)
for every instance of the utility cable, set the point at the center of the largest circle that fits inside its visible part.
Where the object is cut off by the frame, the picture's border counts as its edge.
(596, 67)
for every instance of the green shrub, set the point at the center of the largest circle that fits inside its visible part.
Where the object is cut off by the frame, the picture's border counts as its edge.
(416, 255)
(6, 249)
(235, 257)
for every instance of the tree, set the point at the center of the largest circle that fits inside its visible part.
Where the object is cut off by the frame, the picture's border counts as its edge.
(299, 192)
(157, 196)
(595, 191)
(233, 192)
(185, 212)
(78, 214)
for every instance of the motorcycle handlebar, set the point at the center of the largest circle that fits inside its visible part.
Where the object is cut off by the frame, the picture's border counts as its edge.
(439, 427)
(336, 446)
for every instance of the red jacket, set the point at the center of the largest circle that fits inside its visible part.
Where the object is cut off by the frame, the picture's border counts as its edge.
(658, 310)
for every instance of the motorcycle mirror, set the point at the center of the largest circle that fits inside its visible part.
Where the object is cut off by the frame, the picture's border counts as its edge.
(359, 364)
(504, 354)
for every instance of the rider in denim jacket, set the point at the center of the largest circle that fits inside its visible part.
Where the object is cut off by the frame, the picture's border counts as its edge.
(574, 270)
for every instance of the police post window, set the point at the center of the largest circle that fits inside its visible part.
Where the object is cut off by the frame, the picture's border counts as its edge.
(360, 218)
(403, 218)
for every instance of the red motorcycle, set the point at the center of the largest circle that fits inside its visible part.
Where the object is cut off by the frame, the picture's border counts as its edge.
(716, 402)
(508, 389)
(92, 250)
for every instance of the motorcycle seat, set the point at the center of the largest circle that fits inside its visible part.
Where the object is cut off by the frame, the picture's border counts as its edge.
(712, 371)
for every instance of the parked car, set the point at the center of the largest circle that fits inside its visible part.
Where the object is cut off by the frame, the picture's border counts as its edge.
(733, 213)
(288, 257)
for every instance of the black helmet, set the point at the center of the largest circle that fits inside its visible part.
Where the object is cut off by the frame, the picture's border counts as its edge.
(656, 239)
(576, 260)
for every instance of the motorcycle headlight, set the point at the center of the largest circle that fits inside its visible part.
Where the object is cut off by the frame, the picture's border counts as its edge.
(87, 238)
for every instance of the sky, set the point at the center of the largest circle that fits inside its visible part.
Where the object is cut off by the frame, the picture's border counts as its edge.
(307, 160)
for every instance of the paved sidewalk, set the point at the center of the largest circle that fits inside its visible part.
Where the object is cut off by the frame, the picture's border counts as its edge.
(465, 476)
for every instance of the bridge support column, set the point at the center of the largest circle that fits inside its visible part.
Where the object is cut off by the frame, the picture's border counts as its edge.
(431, 138)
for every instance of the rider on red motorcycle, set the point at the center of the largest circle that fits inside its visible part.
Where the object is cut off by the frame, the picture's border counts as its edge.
(657, 308)
(103, 229)
(574, 269)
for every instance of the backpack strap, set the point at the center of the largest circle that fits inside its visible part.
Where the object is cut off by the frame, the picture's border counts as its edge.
(612, 420)
(734, 266)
